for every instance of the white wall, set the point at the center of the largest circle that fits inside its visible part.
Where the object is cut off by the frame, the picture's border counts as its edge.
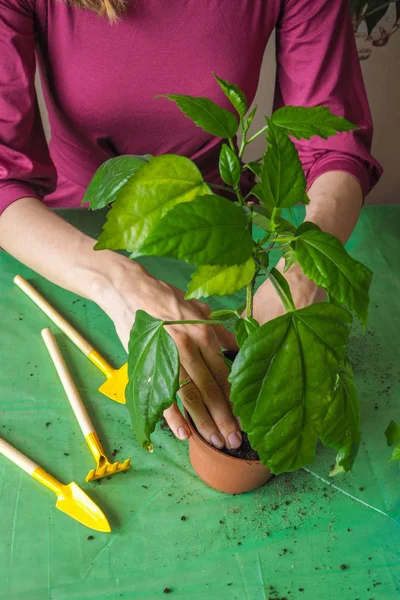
(381, 73)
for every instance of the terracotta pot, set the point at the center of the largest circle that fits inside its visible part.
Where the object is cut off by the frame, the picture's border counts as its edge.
(223, 472)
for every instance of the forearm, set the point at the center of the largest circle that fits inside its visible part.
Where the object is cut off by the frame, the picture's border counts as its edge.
(46, 243)
(335, 203)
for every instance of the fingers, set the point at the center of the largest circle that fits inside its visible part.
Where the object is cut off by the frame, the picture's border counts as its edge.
(193, 402)
(205, 398)
(219, 371)
(176, 422)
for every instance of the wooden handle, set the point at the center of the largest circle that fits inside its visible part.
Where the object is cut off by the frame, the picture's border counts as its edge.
(68, 383)
(17, 457)
(51, 312)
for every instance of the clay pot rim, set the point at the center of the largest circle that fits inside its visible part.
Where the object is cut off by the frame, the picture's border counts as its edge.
(196, 434)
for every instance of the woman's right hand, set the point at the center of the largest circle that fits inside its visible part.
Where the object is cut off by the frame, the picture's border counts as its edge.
(46, 243)
(206, 395)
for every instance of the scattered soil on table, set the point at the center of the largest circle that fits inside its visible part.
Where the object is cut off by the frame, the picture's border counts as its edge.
(48, 423)
(90, 537)
(167, 590)
(165, 427)
(245, 451)
(183, 518)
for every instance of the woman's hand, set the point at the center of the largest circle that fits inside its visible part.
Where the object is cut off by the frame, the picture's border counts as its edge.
(206, 395)
(268, 305)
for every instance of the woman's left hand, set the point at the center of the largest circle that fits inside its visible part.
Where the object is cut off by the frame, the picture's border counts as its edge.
(268, 305)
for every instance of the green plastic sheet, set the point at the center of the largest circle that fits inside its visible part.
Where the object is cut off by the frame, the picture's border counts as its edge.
(301, 536)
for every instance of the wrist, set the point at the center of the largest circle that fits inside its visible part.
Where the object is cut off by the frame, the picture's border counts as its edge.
(105, 276)
(304, 290)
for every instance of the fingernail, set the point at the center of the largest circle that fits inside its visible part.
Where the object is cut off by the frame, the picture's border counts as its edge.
(235, 440)
(183, 433)
(217, 440)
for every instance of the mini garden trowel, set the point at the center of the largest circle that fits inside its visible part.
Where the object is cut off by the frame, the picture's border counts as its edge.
(104, 467)
(71, 499)
(117, 379)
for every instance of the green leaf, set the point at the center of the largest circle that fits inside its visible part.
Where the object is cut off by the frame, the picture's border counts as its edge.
(392, 433)
(376, 10)
(244, 328)
(283, 380)
(324, 260)
(258, 192)
(357, 7)
(153, 369)
(166, 181)
(229, 166)
(282, 178)
(255, 167)
(260, 220)
(289, 255)
(396, 454)
(304, 123)
(110, 178)
(247, 122)
(282, 288)
(234, 94)
(210, 230)
(220, 280)
(207, 115)
(340, 428)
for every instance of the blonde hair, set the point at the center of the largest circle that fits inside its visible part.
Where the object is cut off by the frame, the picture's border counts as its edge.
(112, 9)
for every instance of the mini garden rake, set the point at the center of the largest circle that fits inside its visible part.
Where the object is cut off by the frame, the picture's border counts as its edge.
(104, 467)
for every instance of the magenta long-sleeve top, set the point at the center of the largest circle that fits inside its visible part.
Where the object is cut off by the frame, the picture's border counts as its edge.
(100, 80)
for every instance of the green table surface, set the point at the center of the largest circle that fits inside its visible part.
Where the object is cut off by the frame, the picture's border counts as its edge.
(303, 536)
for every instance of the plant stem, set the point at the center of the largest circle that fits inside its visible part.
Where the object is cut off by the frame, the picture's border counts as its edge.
(239, 195)
(250, 286)
(263, 240)
(253, 137)
(244, 141)
(283, 240)
(250, 296)
(278, 288)
(194, 322)
(272, 219)
(220, 187)
(232, 145)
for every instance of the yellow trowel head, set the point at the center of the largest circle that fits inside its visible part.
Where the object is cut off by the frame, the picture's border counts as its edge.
(73, 501)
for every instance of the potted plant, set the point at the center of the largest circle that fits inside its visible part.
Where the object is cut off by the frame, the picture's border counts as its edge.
(291, 383)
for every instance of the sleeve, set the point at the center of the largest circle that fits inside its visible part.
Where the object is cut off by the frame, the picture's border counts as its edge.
(317, 64)
(25, 165)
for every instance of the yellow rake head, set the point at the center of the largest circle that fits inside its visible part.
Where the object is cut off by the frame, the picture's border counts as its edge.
(104, 467)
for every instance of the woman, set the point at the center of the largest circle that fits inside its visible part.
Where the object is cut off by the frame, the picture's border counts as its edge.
(99, 82)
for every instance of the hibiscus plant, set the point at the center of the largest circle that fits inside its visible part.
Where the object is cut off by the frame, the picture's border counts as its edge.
(291, 383)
